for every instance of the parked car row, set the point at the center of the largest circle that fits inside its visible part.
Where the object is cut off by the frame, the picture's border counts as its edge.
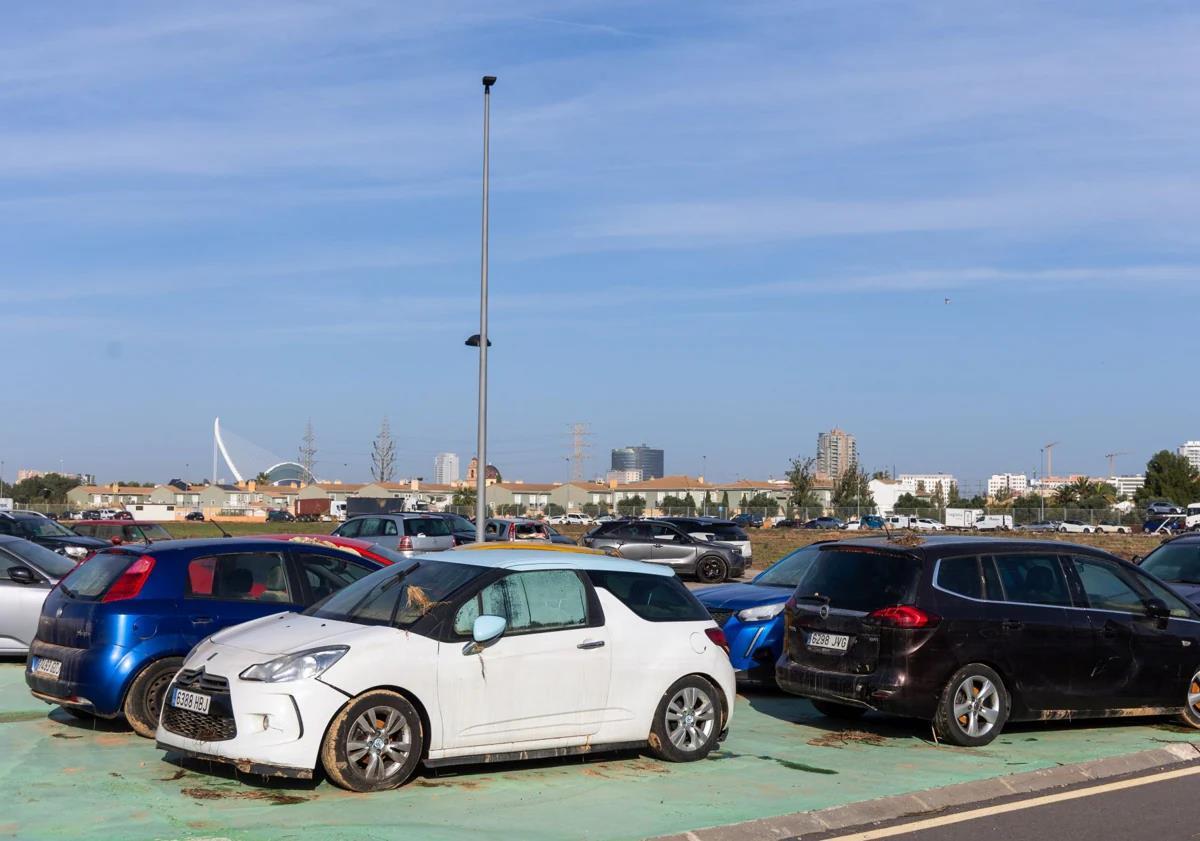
(287, 655)
(269, 653)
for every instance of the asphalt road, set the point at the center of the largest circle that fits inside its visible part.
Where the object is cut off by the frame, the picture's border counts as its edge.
(1152, 807)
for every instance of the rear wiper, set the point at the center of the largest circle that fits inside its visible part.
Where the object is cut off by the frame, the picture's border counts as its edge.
(70, 593)
(812, 597)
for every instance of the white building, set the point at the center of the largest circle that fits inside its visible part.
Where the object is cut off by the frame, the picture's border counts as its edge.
(1015, 483)
(623, 477)
(885, 492)
(1127, 485)
(445, 469)
(927, 484)
(1191, 451)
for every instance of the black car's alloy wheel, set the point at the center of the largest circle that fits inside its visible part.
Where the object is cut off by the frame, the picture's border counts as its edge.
(973, 707)
(711, 570)
(1191, 707)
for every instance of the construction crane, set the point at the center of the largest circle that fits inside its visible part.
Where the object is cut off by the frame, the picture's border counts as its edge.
(1112, 459)
(1048, 449)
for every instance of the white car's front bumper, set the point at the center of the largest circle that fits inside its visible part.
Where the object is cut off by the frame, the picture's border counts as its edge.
(273, 729)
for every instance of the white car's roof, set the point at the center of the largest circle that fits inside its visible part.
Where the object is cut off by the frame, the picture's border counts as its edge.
(540, 559)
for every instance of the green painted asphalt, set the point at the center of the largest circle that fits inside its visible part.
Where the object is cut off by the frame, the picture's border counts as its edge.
(64, 779)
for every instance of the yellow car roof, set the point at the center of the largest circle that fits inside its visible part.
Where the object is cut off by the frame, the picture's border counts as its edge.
(539, 547)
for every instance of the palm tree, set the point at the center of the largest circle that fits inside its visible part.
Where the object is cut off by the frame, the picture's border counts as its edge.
(1067, 495)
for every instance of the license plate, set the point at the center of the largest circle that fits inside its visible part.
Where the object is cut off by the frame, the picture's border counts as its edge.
(50, 668)
(193, 701)
(833, 642)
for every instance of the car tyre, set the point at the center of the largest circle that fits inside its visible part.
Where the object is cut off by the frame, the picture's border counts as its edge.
(842, 712)
(973, 708)
(374, 743)
(1191, 706)
(1062, 529)
(144, 701)
(688, 721)
(712, 569)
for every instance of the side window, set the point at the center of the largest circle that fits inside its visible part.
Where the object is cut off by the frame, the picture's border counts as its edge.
(371, 527)
(662, 532)
(5, 526)
(326, 574)
(1178, 607)
(961, 576)
(992, 591)
(639, 531)
(548, 600)
(655, 598)
(1033, 579)
(389, 528)
(349, 528)
(244, 576)
(492, 528)
(1105, 588)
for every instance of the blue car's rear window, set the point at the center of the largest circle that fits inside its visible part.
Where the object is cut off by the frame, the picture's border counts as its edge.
(91, 579)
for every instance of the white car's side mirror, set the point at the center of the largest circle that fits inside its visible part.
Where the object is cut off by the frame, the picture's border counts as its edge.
(486, 630)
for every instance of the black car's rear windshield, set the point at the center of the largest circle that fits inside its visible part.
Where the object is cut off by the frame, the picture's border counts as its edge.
(861, 580)
(91, 579)
(398, 595)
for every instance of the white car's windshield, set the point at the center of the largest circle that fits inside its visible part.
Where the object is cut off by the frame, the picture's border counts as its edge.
(398, 595)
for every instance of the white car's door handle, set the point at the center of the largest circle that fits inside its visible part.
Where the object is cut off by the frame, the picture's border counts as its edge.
(591, 644)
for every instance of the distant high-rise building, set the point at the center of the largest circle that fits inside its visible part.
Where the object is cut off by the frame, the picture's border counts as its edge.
(1191, 451)
(1015, 484)
(643, 458)
(927, 484)
(836, 451)
(445, 468)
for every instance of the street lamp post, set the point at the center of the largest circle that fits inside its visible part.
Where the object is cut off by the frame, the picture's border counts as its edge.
(481, 445)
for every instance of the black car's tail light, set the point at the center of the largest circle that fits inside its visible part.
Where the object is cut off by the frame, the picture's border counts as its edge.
(905, 616)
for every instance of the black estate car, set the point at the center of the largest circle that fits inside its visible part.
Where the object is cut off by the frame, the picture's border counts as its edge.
(50, 534)
(971, 633)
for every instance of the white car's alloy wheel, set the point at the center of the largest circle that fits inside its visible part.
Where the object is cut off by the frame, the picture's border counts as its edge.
(690, 719)
(379, 743)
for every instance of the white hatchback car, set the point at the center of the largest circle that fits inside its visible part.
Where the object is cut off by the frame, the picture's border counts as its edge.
(481, 657)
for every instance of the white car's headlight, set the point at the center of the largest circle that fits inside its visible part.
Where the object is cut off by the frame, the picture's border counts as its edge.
(299, 666)
(761, 613)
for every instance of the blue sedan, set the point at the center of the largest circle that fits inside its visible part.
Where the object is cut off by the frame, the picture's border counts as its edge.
(751, 614)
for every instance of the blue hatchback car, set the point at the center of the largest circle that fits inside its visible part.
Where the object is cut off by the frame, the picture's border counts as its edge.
(115, 630)
(751, 614)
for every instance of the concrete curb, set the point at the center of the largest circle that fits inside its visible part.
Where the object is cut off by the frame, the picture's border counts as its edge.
(939, 799)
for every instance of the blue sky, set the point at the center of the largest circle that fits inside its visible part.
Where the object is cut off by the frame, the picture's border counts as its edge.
(718, 228)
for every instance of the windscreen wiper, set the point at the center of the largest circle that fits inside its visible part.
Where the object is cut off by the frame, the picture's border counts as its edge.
(811, 597)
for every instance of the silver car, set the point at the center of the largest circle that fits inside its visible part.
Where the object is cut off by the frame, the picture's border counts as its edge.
(27, 572)
(662, 543)
(409, 534)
